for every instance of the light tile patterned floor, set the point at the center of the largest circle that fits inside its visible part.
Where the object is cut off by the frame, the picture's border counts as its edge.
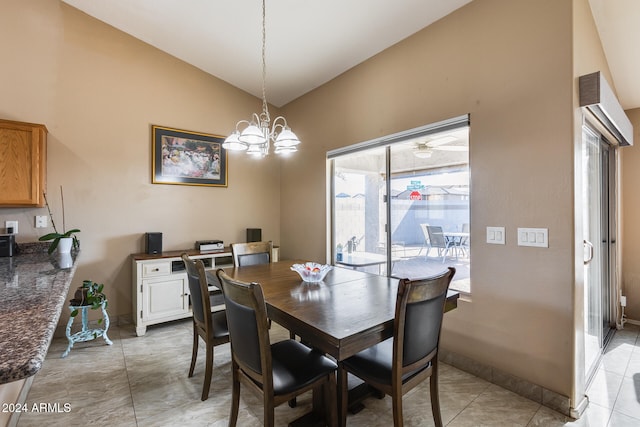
(142, 381)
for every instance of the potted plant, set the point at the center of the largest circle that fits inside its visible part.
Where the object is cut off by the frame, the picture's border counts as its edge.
(89, 294)
(67, 237)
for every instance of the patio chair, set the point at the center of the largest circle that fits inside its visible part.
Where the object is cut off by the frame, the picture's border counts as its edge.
(425, 233)
(437, 240)
(465, 241)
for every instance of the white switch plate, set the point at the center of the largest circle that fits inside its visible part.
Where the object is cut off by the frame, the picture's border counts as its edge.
(41, 221)
(495, 235)
(13, 224)
(538, 237)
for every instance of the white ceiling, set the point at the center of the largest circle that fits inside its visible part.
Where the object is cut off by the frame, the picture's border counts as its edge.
(311, 42)
(618, 23)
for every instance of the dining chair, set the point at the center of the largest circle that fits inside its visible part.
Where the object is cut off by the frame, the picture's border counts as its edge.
(439, 241)
(403, 361)
(278, 371)
(211, 327)
(251, 253)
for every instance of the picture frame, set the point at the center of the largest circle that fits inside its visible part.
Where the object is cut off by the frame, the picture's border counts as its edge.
(187, 158)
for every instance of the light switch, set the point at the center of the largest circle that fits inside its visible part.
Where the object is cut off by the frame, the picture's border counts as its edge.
(495, 235)
(538, 237)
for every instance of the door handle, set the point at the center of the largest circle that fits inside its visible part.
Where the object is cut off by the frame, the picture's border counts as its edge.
(589, 245)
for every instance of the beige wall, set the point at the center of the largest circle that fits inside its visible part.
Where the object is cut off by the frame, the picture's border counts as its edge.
(631, 225)
(98, 91)
(509, 65)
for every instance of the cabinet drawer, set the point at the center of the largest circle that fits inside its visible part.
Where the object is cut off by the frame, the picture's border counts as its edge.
(156, 269)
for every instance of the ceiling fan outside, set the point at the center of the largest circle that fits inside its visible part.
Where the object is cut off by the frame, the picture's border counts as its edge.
(424, 150)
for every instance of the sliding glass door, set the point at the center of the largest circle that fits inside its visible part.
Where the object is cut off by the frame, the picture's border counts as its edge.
(598, 165)
(359, 209)
(388, 195)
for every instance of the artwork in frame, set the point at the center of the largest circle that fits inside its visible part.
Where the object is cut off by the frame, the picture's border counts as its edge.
(187, 158)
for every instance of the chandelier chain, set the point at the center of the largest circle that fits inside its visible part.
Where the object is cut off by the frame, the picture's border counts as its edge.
(258, 132)
(265, 108)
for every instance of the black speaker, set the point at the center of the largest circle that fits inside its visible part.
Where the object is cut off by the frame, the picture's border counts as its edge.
(254, 235)
(153, 243)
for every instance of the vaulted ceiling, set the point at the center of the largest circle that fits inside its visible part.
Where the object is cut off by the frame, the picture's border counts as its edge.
(311, 42)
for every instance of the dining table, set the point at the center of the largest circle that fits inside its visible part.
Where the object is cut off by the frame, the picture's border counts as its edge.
(349, 311)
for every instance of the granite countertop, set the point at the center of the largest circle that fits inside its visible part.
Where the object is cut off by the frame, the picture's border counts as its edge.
(33, 291)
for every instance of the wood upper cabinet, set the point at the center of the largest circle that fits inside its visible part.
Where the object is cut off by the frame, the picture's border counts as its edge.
(23, 161)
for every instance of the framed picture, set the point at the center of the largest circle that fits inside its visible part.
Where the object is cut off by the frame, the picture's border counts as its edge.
(187, 158)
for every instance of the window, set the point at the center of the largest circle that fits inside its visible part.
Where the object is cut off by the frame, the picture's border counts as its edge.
(400, 205)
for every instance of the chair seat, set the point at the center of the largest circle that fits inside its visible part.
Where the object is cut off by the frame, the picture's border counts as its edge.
(219, 325)
(375, 363)
(295, 366)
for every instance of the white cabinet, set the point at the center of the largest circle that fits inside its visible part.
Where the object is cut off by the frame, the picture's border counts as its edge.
(161, 288)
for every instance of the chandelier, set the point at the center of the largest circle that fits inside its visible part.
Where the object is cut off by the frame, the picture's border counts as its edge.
(258, 132)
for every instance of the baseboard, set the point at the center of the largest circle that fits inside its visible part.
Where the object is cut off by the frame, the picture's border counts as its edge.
(522, 387)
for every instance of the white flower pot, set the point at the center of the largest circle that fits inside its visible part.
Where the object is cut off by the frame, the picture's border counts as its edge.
(65, 260)
(64, 245)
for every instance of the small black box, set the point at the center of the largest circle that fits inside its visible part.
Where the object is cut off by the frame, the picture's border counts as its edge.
(254, 235)
(153, 243)
(7, 242)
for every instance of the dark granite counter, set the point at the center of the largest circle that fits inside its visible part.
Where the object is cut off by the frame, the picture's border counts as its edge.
(33, 291)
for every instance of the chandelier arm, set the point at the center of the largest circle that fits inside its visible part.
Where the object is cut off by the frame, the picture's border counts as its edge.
(276, 125)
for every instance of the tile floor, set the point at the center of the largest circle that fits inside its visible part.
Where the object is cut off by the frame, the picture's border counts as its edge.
(142, 381)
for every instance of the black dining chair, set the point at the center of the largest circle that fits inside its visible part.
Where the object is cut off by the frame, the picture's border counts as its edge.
(403, 361)
(251, 253)
(278, 371)
(211, 327)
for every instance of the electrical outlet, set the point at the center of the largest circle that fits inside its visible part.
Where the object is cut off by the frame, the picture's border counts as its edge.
(41, 221)
(11, 224)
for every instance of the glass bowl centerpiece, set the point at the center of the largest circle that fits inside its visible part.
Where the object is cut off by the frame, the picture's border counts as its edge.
(311, 272)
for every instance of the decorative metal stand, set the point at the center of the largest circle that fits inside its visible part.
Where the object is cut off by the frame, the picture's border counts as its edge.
(86, 334)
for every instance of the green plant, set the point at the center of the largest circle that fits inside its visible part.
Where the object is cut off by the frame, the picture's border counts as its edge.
(90, 293)
(56, 236)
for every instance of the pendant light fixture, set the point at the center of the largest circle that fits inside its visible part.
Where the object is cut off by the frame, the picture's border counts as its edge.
(258, 132)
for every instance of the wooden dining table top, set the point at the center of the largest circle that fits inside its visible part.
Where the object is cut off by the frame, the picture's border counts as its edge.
(347, 312)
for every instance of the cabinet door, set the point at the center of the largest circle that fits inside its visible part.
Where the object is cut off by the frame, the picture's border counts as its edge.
(23, 163)
(164, 298)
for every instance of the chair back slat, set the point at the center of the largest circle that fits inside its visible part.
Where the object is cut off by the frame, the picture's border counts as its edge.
(198, 290)
(419, 314)
(253, 259)
(251, 253)
(243, 331)
(421, 329)
(247, 323)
